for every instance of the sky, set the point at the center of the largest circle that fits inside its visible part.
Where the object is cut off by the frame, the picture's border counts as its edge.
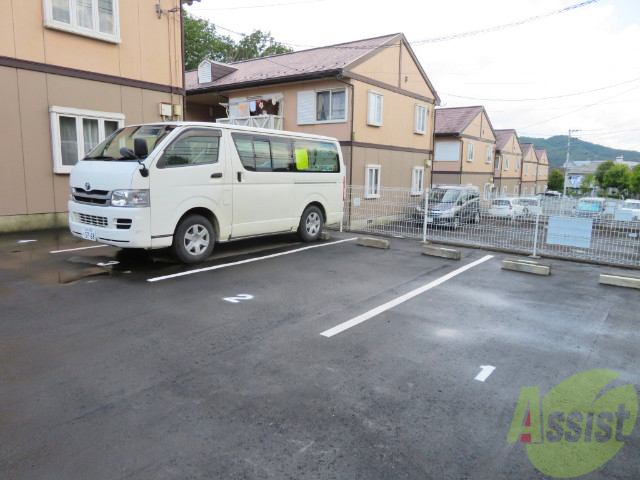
(540, 72)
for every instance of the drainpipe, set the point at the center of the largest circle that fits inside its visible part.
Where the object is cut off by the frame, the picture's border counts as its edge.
(339, 76)
(184, 75)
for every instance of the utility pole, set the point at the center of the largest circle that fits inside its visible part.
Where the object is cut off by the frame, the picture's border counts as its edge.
(566, 162)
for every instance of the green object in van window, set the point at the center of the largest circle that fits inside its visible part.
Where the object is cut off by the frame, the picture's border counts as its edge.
(302, 159)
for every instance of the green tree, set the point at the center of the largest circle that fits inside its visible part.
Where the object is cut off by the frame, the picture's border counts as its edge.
(588, 182)
(634, 180)
(201, 40)
(616, 177)
(601, 170)
(556, 180)
(258, 44)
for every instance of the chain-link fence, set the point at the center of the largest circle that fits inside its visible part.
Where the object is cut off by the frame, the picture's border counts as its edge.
(588, 229)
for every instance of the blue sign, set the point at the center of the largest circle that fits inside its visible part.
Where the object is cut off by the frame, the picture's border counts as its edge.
(571, 232)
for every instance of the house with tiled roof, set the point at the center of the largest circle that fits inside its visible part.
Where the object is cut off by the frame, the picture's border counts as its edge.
(72, 73)
(507, 163)
(529, 171)
(464, 148)
(543, 170)
(372, 95)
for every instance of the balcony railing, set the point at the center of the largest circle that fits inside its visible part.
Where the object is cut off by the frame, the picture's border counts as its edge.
(259, 121)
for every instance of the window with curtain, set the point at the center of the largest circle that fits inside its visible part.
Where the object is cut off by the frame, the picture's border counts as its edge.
(76, 132)
(331, 105)
(470, 151)
(94, 18)
(489, 154)
(372, 181)
(417, 180)
(420, 121)
(374, 109)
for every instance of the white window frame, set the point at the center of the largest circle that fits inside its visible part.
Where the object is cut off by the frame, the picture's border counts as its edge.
(73, 27)
(515, 191)
(524, 192)
(487, 191)
(504, 191)
(308, 103)
(506, 163)
(331, 92)
(470, 151)
(533, 190)
(420, 119)
(526, 169)
(372, 110)
(372, 190)
(56, 112)
(489, 158)
(417, 180)
(496, 162)
(517, 165)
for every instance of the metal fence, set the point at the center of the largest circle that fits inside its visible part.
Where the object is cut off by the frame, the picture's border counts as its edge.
(552, 227)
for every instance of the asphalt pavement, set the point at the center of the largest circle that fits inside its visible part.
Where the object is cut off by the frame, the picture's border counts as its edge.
(117, 364)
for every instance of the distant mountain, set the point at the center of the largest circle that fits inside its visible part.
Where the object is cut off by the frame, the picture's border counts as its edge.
(556, 148)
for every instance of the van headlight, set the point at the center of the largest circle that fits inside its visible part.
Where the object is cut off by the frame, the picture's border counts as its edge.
(448, 213)
(130, 198)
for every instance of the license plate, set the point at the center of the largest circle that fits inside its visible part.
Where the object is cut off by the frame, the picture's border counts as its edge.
(429, 219)
(89, 233)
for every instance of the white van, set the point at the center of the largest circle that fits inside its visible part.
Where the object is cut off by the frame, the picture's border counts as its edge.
(187, 185)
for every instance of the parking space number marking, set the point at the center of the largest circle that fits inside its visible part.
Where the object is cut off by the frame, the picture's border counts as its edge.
(236, 299)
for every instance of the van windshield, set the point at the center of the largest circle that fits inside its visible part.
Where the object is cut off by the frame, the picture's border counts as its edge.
(441, 195)
(124, 138)
(589, 205)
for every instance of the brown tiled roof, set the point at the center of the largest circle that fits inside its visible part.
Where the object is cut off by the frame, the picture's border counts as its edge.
(286, 66)
(453, 121)
(502, 137)
(539, 153)
(525, 147)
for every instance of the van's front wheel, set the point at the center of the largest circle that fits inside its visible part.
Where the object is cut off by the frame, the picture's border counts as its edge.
(193, 240)
(310, 224)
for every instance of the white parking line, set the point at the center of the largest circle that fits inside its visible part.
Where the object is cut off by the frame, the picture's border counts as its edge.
(217, 267)
(79, 248)
(407, 296)
(485, 371)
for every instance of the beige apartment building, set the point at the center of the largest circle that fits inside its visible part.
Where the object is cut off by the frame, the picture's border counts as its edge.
(529, 173)
(542, 177)
(507, 163)
(465, 148)
(372, 95)
(71, 74)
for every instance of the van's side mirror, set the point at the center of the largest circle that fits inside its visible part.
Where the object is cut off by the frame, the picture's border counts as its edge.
(140, 147)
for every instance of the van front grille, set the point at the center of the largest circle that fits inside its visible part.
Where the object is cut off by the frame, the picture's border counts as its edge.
(93, 197)
(93, 220)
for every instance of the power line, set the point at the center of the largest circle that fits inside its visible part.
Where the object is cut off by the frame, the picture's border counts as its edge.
(581, 108)
(436, 39)
(540, 98)
(259, 6)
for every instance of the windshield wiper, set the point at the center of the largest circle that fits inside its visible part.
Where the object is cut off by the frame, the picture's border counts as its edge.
(99, 157)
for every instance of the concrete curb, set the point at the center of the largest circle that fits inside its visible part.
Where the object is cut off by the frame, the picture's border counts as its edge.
(441, 252)
(373, 242)
(620, 280)
(526, 266)
(324, 236)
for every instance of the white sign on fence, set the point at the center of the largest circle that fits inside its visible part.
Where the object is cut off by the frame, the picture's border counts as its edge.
(571, 232)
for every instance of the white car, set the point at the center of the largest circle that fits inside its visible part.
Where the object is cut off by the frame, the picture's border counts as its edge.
(633, 206)
(509, 207)
(531, 205)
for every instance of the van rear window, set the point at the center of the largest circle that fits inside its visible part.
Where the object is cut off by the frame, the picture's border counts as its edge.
(271, 153)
